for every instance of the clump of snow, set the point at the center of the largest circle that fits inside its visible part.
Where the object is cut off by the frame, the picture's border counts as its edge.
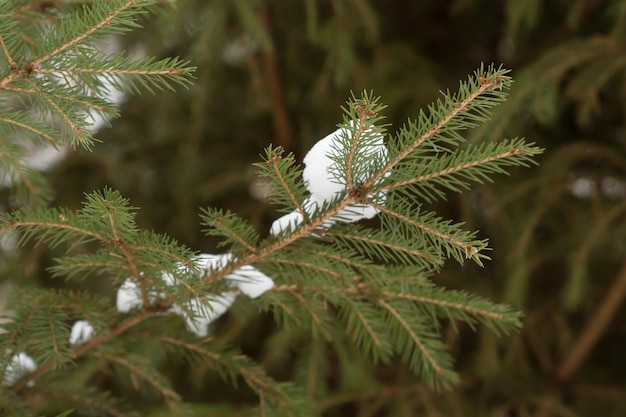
(82, 331)
(247, 279)
(18, 366)
(323, 178)
(128, 297)
(288, 223)
(321, 172)
(199, 312)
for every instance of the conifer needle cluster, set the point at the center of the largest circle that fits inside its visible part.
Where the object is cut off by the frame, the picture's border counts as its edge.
(327, 269)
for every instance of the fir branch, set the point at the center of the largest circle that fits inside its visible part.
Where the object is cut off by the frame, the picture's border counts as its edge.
(456, 242)
(50, 230)
(311, 266)
(273, 247)
(456, 170)
(86, 348)
(86, 264)
(231, 227)
(123, 72)
(432, 362)
(39, 129)
(356, 136)
(41, 329)
(56, 339)
(141, 369)
(312, 368)
(416, 339)
(482, 309)
(386, 246)
(445, 113)
(10, 60)
(284, 188)
(283, 396)
(162, 247)
(387, 308)
(351, 259)
(21, 175)
(89, 400)
(320, 319)
(130, 260)
(97, 18)
(10, 337)
(364, 326)
(71, 119)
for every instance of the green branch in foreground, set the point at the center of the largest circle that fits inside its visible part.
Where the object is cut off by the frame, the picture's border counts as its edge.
(369, 282)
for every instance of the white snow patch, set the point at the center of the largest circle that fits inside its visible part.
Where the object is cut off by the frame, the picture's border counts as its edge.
(82, 331)
(321, 173)
(286, 223)
(129, 297)
(199, 313)
(324, 181)
(18, 366)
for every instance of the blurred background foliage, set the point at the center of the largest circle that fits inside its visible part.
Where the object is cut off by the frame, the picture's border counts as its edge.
(277, 71)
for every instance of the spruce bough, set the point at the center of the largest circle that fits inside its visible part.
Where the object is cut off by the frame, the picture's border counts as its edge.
(369, 284)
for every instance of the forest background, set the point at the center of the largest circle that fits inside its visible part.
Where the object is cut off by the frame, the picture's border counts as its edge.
(278, 71)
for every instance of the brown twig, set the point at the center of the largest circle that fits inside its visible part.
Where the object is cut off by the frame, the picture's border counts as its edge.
(282, 126)
(595, 328)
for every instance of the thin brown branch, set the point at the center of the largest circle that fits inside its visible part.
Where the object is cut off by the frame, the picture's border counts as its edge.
(595, 328)
(282, 126)
(10, 60)
(353, 146)
(113, 71)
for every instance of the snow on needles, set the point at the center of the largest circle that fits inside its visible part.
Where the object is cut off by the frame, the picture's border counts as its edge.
(199, 312)
(82, 331)
(18, 366)
(325, 180)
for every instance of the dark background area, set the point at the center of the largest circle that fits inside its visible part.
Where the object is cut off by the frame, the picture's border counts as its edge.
(557, 230)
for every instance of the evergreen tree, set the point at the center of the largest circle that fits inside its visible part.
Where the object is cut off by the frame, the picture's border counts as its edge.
(335, 279)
